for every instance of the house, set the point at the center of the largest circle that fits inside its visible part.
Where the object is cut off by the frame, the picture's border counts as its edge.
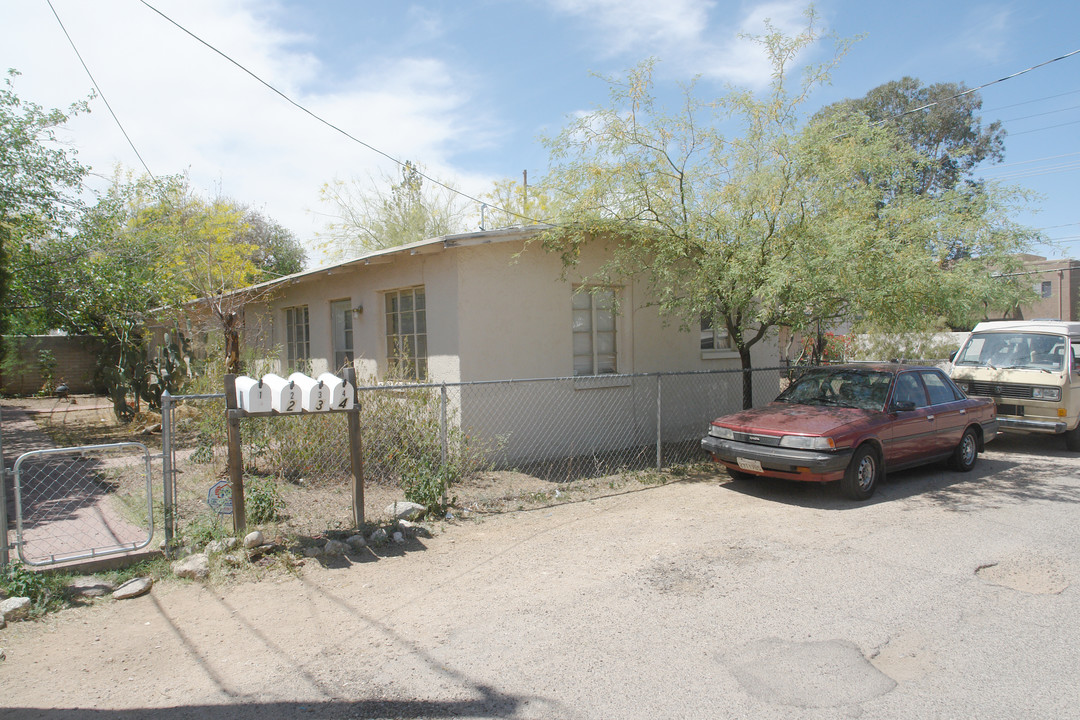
(492, 306)
(489, 305)
(1057, 290)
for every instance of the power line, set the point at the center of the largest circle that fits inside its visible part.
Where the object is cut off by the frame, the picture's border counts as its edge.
(327, 123)
(99, 91)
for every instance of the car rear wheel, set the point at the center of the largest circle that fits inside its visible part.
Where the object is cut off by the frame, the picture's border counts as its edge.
(966, 453)
(862, 475)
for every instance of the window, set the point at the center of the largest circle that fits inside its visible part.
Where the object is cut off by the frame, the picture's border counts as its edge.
(1045, 289)
(297, 336)
(941, 390)
(342, 331)
(594, 331)
(713, 338)
(909, 389)
(406, 333)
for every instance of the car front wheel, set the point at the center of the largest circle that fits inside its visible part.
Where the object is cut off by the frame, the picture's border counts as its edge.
(966, 453)
(862, 475)
(1072, 439)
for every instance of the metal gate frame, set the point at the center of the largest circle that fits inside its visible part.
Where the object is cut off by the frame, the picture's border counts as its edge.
(76, 555)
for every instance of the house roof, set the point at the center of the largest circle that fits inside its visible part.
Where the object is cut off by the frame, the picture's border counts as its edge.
(479, 237)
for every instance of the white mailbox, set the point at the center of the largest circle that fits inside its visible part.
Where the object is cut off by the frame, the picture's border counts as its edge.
(284, 394)
(252, 395)
(314, 395)
(341, 392)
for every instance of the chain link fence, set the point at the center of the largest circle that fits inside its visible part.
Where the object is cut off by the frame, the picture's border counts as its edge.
(500, 444)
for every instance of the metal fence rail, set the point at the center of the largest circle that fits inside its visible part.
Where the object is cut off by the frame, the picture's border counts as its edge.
(555, 430)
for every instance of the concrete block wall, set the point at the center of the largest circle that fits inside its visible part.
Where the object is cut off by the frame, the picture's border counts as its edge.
(76, 363)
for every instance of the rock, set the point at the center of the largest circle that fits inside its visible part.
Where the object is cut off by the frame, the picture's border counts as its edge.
(378, 537)
(16, 608)
(335, 547)
(133, 588)
(231, 543)
(405, 510)
(215, 547)
(399, 537)
(254, 540)
(356, 542)
(89, 586)
(312, 551)
(196, 567)
(407, 525)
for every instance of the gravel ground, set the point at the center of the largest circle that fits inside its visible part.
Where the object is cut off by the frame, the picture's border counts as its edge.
(948, 595)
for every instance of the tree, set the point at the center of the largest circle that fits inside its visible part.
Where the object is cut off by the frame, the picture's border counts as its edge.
(940, 121)
(277, 251)
(369, 217)
(38, 180)
(777, 224)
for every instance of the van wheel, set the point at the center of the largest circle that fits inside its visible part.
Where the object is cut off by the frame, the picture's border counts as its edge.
(966, 453)
(1072, 438)
(862, 475)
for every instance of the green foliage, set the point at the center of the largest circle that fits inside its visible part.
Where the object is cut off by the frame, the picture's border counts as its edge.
(203, 529)
(47, 367)
(733, 209)
(45, 590)
(426, 483)
(368, 216)
(263, 502)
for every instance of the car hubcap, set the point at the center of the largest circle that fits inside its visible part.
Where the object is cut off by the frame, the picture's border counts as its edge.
(866, 473)
(967, 453)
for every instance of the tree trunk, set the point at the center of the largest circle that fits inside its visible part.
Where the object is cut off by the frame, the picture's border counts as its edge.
(232, 346)
(747, 378)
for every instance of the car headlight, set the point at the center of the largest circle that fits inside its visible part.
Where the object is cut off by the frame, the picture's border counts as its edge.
(721, 432)
(802, 442)
(966, 387)
(1046, 393)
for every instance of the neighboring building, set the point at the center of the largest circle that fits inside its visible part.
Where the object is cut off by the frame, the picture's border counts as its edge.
(489, 306)
(1057, 290)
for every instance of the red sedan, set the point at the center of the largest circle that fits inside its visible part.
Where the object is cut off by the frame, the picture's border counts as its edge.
(851, 423)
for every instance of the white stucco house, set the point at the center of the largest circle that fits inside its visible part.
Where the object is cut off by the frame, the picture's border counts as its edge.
(487, 306)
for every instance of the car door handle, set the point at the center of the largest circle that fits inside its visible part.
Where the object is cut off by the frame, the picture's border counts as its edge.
(930, 417)
(963, 412)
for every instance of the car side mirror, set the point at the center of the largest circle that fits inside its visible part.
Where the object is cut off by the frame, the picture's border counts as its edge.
(903, 405)
(953, 354)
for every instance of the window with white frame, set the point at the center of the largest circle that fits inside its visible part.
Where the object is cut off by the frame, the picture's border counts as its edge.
(594, 331)
(341, 331)
(714, 337)
(406, 333)
(297, 336)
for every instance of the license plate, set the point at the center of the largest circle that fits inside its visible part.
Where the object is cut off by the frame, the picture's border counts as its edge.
(748, 464)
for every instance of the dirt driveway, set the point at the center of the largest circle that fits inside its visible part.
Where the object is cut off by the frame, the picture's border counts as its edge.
(946, 596)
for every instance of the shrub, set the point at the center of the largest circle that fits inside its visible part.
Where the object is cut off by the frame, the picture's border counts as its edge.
(46, 591)
(262, 502)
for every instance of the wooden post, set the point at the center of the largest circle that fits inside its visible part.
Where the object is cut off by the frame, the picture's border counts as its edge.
(355, 451)
(236, 459)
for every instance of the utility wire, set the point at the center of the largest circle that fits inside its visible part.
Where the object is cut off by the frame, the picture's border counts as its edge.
(327, 123)
(99, 91)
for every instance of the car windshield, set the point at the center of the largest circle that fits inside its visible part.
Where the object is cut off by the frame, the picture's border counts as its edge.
(842, 387)
(1001, 350)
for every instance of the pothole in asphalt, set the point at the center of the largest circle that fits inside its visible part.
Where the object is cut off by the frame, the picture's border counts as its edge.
(1030, 574)
(828, 673)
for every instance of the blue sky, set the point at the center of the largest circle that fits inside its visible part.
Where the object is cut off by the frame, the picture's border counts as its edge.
(465, 88)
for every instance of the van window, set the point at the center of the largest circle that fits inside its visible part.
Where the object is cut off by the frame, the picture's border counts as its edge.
(1014, 350)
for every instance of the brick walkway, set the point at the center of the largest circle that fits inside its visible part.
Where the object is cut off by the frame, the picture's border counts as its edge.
(68, 502)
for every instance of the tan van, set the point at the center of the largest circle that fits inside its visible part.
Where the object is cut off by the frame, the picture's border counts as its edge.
(1031, 370)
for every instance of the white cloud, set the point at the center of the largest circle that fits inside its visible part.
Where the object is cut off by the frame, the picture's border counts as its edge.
(187, 108)
(690, 36)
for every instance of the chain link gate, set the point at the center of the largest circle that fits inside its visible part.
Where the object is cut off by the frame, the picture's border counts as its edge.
(77, 503)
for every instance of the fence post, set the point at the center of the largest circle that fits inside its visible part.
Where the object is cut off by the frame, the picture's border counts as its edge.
(167, 467)
(659, 426)
(3, 504)
(442, 443)
(236, 459)
(356, 455)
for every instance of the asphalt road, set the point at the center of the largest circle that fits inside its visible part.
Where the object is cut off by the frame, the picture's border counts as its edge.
(946, 596)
